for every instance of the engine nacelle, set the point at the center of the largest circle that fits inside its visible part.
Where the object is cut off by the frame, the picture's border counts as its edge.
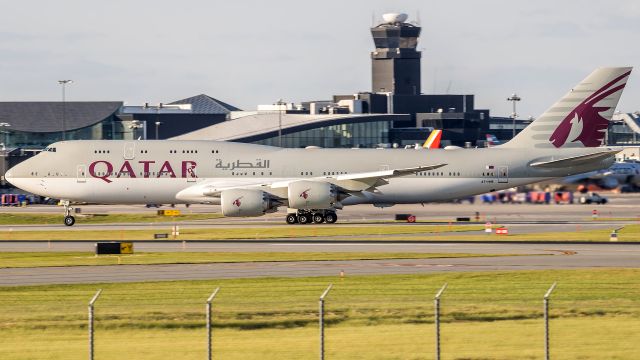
(246, 202)
(312, 195)
(608, 182)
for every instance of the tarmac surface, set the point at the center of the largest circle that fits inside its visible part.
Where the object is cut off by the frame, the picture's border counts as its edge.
(529, 257)
(521, 218)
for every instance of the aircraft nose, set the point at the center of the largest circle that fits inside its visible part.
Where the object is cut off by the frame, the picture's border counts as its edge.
(13, 175)
(8, 176)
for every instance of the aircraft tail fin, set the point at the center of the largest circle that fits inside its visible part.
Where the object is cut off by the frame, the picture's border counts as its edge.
(581, 117)
(433, 141)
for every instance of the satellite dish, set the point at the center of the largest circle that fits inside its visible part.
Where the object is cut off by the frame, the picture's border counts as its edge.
(392, 18)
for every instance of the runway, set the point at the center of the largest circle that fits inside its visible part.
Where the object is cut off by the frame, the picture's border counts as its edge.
(520, 218)
(525, 218)
(619, 206)
(530, 257)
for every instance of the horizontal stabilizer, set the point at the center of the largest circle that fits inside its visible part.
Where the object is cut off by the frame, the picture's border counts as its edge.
(574, 160)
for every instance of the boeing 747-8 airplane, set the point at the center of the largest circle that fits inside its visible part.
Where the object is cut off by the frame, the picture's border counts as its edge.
(251, 180)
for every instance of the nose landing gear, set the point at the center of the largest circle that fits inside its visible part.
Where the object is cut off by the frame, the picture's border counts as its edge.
(69, 220)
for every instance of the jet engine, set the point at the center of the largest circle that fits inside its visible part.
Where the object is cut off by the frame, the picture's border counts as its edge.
(247, 202)
(608, 182)
(312, 195)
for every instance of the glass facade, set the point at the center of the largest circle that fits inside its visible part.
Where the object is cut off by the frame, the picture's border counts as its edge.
(111, 128)
(621, 134)
(364, 135)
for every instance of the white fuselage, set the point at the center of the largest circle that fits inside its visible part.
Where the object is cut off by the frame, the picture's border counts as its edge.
(145, 172)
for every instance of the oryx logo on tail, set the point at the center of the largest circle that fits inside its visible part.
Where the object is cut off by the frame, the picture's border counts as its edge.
(584, 123)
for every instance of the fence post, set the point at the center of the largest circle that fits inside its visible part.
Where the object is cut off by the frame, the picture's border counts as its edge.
(436, 300)
(546, 320)
(209, 332)
(321, 320)
(93, 300)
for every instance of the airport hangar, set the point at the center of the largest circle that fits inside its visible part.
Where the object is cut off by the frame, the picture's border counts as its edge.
(394, 112)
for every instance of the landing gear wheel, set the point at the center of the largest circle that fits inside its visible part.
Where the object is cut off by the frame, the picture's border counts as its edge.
(331, 217)
(292, 219)
(303, 218)
(318, 218)
(69, 220)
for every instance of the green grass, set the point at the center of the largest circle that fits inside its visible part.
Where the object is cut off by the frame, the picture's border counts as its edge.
(492, 315)
(238, 233)
(630, 233)
(51, 218)
(40, 259)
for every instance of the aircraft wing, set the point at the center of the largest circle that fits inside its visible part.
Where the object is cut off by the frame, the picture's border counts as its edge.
(573, 160)
(348, 183)
(366, 180)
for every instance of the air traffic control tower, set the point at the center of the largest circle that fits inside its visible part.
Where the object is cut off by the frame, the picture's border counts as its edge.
(395, 61)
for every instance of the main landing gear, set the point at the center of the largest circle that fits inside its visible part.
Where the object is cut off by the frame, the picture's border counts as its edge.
(69, 220)
(312, 216)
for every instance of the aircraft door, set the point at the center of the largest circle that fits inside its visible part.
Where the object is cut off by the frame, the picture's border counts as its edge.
(503, 174)
(81, 173)
(129, 151)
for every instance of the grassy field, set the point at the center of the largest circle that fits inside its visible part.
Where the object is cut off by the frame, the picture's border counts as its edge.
(40, 259)
(56, 218)
(417, 232)
(238, 233)
(497, 315)
(629, 233)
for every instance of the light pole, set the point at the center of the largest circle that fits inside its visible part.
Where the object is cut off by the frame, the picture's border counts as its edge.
(135, 124)
(514, 98)
(64, 110)
(157, 126)
(280, 103)
(6, 133)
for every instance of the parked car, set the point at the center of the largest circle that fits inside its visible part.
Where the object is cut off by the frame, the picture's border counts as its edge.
(593, 198)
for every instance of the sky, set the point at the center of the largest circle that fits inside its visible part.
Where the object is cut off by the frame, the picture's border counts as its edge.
(255, 52)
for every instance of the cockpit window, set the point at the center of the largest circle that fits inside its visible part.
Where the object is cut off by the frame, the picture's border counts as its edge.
(50, 149)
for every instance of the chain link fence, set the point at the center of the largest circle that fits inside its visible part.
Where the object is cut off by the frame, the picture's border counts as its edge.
(592, 315)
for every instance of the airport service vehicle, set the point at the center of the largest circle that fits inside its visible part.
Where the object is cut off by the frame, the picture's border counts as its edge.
(251, 180)
(593, 198)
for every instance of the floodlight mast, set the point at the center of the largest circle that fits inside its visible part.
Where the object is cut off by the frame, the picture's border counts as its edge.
(64, 105)
(514, 98)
